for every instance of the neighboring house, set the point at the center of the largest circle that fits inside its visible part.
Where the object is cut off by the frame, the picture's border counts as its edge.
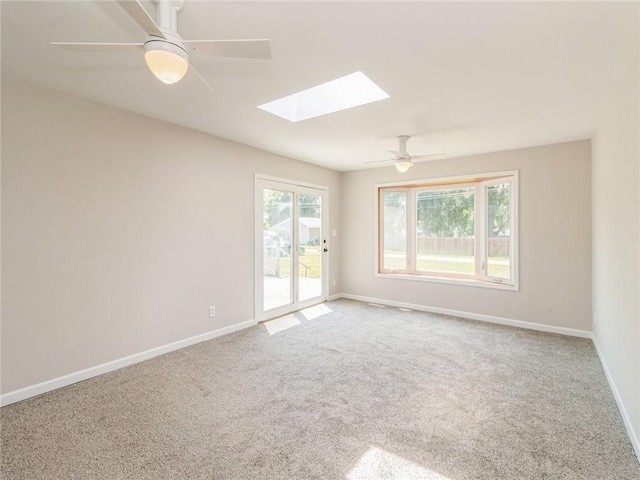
(308, 230)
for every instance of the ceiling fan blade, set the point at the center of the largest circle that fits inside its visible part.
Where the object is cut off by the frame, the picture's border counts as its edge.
(381, 161)
(246, 48)
(201, 78)
(97, 47)
(425, 158)
(135, 9)
(394, 152)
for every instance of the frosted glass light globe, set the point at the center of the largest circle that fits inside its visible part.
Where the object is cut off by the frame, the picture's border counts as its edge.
(167, 66)
(403, 165)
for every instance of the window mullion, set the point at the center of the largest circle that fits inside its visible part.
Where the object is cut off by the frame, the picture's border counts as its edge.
(480, 231)
(380, 235)
(513, 230)
(412, 260)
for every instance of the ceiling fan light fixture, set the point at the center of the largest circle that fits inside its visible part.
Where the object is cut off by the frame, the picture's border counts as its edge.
(168, 62)
(403, 165)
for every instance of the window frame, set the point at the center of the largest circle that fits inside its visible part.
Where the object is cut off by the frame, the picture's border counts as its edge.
(479, 182)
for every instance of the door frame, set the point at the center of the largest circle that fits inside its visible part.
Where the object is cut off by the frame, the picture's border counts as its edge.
(258, 248)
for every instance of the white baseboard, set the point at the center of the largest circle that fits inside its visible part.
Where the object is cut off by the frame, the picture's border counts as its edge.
(473, 316)
(616, 394)
(331, 298)
(49, 385)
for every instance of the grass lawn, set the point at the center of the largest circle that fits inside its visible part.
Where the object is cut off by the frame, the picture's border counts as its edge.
(312, 259)
(443, 265)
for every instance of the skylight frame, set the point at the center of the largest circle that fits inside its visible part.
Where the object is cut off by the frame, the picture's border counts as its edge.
(349, 91)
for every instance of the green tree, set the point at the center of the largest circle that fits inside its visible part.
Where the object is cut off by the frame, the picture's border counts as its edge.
(446, 213)
(395, 207)
(498, 197)
(277, 207)
(310, 206)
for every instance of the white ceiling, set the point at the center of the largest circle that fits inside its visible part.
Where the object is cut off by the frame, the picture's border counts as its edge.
(464, 77)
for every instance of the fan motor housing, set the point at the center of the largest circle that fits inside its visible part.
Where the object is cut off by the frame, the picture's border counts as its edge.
(172, 43)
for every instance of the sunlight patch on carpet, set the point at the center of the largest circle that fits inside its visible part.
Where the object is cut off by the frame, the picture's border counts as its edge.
(281, 324)
(315, 311)
(378, 464)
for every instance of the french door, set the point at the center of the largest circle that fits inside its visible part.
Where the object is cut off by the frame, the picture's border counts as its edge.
(291, 247)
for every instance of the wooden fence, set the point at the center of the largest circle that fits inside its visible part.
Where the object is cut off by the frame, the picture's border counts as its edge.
(498, 246)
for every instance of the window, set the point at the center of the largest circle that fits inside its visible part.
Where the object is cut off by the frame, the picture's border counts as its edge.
(340, 94)
(460, 230)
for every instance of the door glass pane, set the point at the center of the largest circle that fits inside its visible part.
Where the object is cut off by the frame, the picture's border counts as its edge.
(310, 245)
(445, 241)
(498, 231)
(394, 230)
(277, 234)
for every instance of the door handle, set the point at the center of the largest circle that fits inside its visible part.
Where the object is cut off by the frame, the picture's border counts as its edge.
(325, 250)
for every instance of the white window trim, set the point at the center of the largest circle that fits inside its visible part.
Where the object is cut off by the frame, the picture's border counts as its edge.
(482, 281)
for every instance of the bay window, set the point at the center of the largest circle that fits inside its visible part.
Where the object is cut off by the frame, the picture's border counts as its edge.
(453, 230)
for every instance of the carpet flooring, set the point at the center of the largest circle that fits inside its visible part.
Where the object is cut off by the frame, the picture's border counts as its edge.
(359, 392)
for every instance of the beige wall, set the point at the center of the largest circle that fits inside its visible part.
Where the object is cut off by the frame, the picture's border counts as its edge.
(555, 237)
(616, 242)
(119, 232)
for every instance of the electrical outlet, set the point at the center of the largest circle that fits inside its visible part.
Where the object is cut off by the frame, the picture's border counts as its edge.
(595, 318)
(334, 282)
(212, 312)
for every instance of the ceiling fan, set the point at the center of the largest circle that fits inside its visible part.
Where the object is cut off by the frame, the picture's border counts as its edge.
(165, 52)
(404, 161)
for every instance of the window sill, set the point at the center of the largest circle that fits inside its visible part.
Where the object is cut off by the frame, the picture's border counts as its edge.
(467, 282)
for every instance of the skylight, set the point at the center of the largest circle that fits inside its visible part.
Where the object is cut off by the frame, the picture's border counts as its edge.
(340, 94)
